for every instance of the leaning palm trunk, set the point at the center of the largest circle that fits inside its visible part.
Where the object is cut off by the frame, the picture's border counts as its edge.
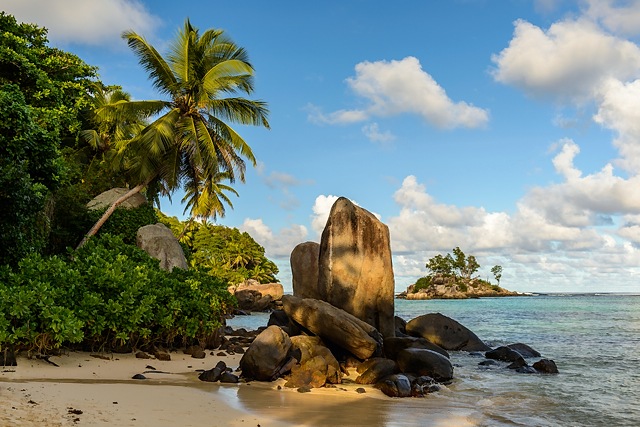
(105, 216)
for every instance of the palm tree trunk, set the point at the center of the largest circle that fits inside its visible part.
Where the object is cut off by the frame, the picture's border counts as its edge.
(184, 229)
(105, 216)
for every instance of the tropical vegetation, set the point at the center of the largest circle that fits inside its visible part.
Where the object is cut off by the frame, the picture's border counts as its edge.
(65, 137)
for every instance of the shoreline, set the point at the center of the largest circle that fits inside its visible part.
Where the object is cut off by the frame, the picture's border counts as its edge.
(88, 391)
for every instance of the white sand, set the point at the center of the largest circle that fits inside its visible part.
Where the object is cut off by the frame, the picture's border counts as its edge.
(88, 391)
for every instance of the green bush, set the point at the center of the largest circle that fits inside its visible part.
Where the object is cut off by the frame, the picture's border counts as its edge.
(107, 295)
(125, 222)
(422, 283)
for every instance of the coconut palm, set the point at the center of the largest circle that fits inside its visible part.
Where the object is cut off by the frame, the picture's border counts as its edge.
(190, 140)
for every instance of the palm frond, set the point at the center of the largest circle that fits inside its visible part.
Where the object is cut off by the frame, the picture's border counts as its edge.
(239, 110)
(162, 77)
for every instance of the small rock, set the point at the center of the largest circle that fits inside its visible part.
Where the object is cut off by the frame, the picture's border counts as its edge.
(361, 390)
(229, 378)
(161, 355)
(138, 377)
(546, 366)
(304, 389)
(142, 355)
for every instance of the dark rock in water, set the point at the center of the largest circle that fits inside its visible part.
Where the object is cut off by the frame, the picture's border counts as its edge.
(546, 366)
(445, 332)
(138, 377)
(504, 354)
(266, 355)
(229, 378)
(334, 325)
(488, 363)
(355, 271)
(524, 350)
(425, 362)
(395, 386)
(394, 345)
(376, 369)
(526, 370)
(423, 385)
(519, 363)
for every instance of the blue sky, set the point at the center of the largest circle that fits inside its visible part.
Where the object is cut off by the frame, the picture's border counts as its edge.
(509, 128)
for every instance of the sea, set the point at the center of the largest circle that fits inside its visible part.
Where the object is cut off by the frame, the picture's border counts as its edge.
(594, 340)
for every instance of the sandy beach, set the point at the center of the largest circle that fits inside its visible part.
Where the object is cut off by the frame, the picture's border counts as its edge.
(84, 390)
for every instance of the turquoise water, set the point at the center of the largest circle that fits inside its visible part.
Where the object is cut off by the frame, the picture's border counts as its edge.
(594, 340)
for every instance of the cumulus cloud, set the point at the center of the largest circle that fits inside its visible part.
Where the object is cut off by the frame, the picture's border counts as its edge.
(395, 87)
(373, 133)
(321, 209)
(622, 17)
(278, 245)
(570, 61)
(95, 22)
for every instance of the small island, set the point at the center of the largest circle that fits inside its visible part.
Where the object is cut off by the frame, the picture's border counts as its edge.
(451, 277)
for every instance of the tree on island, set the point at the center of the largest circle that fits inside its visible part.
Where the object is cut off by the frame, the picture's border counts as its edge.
(190, 144)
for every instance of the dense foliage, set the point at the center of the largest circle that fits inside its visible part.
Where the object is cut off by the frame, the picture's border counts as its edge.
(106, 295)
(42, 91)
(456, 269)
(223, 252)
(58, 150)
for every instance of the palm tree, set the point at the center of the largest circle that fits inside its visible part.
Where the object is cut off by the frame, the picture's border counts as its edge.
(206, 199)
(190, 141)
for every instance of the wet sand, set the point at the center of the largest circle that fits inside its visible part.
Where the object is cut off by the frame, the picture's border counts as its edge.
(88, 391)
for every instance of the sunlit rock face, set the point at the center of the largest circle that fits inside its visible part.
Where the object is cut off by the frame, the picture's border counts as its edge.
(355, 272)
(304, 270)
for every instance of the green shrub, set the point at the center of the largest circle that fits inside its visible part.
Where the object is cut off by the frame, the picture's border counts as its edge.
(109, 294)
(125, 222)
(422, 283)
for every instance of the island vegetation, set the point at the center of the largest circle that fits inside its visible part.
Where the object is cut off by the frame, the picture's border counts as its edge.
(65, 137)
(452, 277)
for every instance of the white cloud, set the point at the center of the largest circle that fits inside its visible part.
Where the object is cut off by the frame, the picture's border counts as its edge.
(321, 209)
(403, 87)
(622, 17)
(619, 110)
(373, 133)
(277, 245)
(569, 61)
(92, 22)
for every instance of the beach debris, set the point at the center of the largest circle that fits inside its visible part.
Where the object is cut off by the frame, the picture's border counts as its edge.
(445, 332)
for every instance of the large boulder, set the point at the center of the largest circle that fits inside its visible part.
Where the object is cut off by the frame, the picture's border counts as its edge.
(159, 242)
(267, 356)
(375, 369)
(334, 325)
(316, 365)
(394, 345)
(355, 269)
(106, 199)
(252, 300)
(420, 361)
(445, 332)
(304, 270)
(395, 386)
(274, 290)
